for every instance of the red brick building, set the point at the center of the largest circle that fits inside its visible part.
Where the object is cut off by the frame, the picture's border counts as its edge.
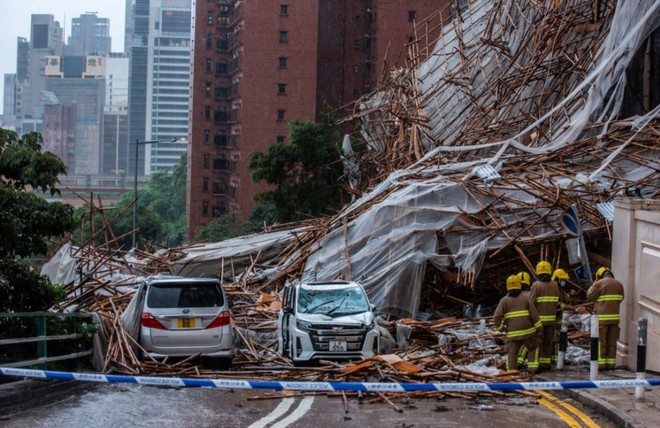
(259, 64)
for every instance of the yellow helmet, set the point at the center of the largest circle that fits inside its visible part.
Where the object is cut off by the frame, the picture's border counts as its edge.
(543, 267)
(524, 278)
(559, 274)
(513, 283)
(602, 271)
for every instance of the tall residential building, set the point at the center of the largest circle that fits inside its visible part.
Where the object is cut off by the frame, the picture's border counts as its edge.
(9, 101)
(90, 35)
(22, 59)
(159, 82)
(259, 65)
(59, 131)
(45, 40)
(114, 152)
(80, 82)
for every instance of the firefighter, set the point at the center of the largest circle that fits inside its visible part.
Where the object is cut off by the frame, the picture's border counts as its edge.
(545, 296)
(607, 295)
(518, 316)
(525, 281)
(559, 276)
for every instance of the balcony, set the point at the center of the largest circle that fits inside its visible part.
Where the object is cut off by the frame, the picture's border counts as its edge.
(221, 164)
(223, 141)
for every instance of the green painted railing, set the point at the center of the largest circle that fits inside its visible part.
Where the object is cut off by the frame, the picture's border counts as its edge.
(42, 338)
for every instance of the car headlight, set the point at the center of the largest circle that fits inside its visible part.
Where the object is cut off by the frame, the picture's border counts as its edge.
(303, 325)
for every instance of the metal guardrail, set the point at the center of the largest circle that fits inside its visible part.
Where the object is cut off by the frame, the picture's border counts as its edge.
(42, 338)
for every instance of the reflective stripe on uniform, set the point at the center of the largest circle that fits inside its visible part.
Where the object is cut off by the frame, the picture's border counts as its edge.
(516, 314)
(547, 299)
(546, 318)
(610, 298)
(518, 333)
(609, 317)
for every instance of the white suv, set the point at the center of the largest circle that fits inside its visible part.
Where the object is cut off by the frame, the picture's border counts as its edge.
(329, 320)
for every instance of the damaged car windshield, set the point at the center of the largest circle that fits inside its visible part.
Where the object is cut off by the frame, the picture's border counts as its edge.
(335, 302)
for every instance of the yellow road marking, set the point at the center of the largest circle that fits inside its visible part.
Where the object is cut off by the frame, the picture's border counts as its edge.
(562, 414)
(586, 420)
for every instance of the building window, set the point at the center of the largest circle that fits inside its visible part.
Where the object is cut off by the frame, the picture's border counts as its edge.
(280, 115)
(207, 113)
(281, 88)
(280, 139)
(356, 69)
(205, 185)
(356, 94)
(357, 44)
(209, 18)
(282, 62)
(284, 9)
(207, 136)
(206, 161)
(205, 208)
(207, 89)
(209, 41)
(209, 65)
(411, 15)
(284, 36)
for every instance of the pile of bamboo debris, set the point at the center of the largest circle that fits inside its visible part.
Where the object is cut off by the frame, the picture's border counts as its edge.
(503, 119)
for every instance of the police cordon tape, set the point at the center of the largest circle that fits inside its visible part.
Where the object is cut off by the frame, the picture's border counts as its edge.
(326, 386)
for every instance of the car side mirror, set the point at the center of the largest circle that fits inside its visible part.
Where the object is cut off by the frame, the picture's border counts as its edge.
(372, 306)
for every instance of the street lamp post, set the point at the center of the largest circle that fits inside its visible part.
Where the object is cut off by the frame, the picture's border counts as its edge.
(135, 182)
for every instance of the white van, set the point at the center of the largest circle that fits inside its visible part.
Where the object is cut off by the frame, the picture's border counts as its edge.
(326, 320)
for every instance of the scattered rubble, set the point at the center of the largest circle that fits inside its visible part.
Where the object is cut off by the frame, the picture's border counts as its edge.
(475, 151)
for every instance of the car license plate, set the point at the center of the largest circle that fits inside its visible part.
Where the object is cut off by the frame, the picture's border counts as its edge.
(186, 323)
(337, 346)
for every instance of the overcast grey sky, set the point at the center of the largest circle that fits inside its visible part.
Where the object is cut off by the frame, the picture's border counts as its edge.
(15, 22)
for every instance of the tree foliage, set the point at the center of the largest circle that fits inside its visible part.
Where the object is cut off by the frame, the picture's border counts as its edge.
(305, 174)
(161, 212)
(27, 221)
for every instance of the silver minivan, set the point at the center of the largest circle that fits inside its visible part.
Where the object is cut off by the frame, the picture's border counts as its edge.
(186, 316)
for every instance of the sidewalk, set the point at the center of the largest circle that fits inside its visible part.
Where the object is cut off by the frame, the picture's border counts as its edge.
(617, 404)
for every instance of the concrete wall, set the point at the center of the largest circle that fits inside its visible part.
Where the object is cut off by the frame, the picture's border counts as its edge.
(636, 263)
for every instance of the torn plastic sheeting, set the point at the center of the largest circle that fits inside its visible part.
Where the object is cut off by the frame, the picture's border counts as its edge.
(390, 241)
(61, 268)
(483, 366)
(577, 356)
(233, 255)
(403, 333)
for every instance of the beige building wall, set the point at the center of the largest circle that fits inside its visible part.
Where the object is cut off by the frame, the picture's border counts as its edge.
(636, 263)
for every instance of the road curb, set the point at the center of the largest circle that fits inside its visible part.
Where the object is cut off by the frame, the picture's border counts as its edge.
(617, 416)
(614, 415)
(25, 394)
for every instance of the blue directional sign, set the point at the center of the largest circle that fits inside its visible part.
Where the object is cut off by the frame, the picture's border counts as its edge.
(582, 274)
(570, 219)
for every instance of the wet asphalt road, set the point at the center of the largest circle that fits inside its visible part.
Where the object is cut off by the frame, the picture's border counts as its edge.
(123, 405)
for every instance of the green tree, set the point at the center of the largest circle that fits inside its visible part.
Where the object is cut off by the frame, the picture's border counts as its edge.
(28, 222)
(229, 226)
(161, 211)
(305, 174)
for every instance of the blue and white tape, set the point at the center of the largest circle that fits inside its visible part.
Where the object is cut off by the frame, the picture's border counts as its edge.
(328, 386)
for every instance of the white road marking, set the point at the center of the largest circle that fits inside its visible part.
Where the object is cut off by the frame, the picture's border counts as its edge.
(274, 415)
(303, 408)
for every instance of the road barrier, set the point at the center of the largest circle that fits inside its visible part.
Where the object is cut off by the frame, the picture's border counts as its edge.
(326, 386)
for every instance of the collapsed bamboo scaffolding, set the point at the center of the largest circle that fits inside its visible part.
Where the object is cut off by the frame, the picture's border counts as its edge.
(486, 114)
